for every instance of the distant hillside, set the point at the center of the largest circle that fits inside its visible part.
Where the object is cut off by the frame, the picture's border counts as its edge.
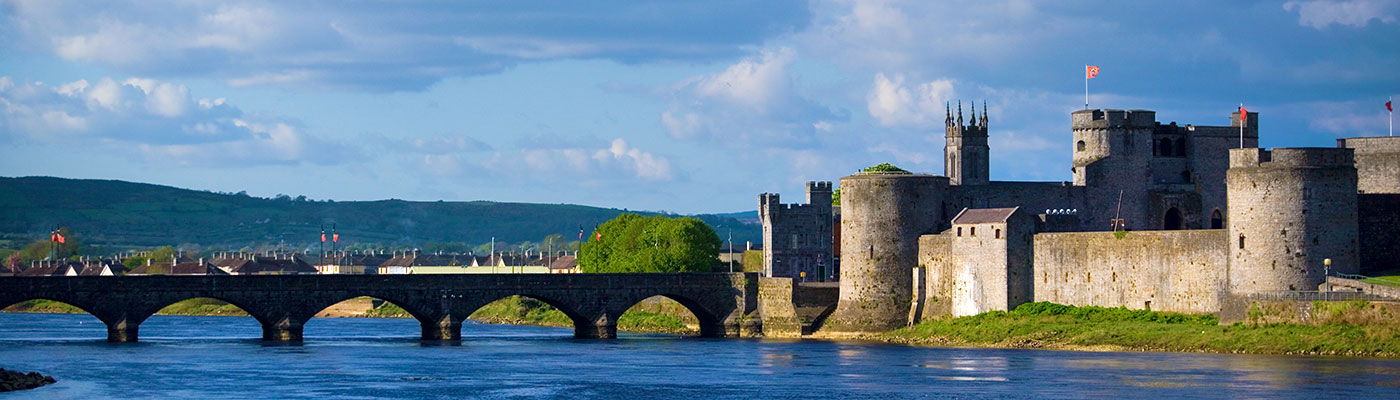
(122, 213)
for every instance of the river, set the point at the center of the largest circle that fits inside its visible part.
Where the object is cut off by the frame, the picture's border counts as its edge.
(361, 358)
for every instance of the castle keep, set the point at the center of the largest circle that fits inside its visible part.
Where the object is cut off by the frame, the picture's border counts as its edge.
(1157, 216)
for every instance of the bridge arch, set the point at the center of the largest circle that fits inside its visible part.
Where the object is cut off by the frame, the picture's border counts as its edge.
(711, 323)
(192, 307)
(585, 322)
(431, 319)
(7, 303)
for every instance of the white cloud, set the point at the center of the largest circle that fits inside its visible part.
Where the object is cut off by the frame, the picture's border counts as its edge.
(1320, 14)
(167, 125)
(922, 106)
(753, 101)
(383, 46)
(617, 160)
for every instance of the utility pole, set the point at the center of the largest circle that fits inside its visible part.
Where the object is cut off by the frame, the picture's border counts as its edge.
(731, 250)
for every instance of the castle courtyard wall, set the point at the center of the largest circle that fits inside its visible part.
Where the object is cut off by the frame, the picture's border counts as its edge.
(1177, 271)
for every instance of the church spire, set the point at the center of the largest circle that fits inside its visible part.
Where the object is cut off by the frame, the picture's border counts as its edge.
(960, 118)
(947, 114)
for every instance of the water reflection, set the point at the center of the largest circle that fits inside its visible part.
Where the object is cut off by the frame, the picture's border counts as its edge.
(214, 357)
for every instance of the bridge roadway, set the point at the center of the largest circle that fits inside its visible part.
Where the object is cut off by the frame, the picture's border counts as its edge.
(283, 303)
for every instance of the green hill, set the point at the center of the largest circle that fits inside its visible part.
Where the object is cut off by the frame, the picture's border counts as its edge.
(118, 213)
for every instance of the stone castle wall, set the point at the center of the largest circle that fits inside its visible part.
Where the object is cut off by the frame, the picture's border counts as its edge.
(967, 273)
(1377, 163)
(1378, 234)
(1178, 271)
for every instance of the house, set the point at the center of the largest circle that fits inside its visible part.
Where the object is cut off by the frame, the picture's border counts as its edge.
(184, 268)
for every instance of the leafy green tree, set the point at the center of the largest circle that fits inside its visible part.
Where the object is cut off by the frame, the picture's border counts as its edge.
(836, 197)
(634, 243)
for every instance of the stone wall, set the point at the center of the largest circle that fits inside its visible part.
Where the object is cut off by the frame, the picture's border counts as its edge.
(1178, 271)
(1377, 163)
(967, 272)
(1378, 233)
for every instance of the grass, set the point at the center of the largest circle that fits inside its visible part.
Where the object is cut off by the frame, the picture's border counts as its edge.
(1054, 326)
(1389, 280)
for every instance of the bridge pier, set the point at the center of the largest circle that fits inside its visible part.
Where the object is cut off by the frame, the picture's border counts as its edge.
(122, 331)
(590, 330)
(284, 330)
(447, 328)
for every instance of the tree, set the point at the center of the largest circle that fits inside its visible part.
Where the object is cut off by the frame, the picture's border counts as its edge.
(633, 243)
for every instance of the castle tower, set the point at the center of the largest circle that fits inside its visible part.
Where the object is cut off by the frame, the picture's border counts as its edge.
(882, 216)
(1112, 152)
(1289, 209)
(797, 238)
(965, 154)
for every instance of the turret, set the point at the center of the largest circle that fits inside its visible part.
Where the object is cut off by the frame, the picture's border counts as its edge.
(965, 154)
(1291, 209)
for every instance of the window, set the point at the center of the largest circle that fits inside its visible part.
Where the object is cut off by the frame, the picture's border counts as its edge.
(1164, 147)
(1241, 242)
(1181, 147)
(972, 231)
(1216, 220)
(959, 231)
(998, 234)
(1080, 145)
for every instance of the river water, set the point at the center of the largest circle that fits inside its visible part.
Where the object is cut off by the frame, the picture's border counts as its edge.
(361, 358)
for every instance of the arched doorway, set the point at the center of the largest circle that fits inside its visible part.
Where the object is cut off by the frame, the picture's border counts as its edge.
(1216, 220)
(1172, 221)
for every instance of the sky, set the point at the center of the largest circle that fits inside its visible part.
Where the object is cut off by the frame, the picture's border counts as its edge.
(688, 107)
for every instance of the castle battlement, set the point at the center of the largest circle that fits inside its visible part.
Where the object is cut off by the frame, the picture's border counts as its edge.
(1105, 119)
(1292, 157)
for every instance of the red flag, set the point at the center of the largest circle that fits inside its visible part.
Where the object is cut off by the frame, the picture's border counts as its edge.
(323, 238)
(58, 238)
(1244, 114)
(1091, 71)
(1387, 106)
(335, 237)
(598, 236)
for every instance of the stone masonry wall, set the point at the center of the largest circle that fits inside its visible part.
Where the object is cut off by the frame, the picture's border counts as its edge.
(1378, 233)
(1178, 271)
(1377, 163)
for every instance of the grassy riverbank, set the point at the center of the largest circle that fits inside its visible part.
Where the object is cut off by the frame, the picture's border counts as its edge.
(1054, 326)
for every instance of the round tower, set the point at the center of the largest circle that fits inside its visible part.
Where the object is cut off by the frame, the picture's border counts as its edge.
(882, 216)
(1289, 210)
(1112, 151)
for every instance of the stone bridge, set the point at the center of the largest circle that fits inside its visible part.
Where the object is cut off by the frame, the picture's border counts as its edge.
(724, 303)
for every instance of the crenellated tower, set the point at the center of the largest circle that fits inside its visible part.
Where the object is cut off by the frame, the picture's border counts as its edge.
(965, 154)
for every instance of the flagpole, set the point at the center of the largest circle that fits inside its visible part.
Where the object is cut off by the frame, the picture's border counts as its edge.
(1390, 111)
(1086, 86)
(1242, 116)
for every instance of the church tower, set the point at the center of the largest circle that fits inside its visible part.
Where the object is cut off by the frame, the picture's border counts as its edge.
(965, 159)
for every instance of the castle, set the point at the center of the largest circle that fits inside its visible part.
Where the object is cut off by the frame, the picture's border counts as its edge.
(1158, 216)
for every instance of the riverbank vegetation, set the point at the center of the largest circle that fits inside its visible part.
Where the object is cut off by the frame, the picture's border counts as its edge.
(1055, 326)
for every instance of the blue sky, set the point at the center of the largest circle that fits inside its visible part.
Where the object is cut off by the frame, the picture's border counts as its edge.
(655, 105)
